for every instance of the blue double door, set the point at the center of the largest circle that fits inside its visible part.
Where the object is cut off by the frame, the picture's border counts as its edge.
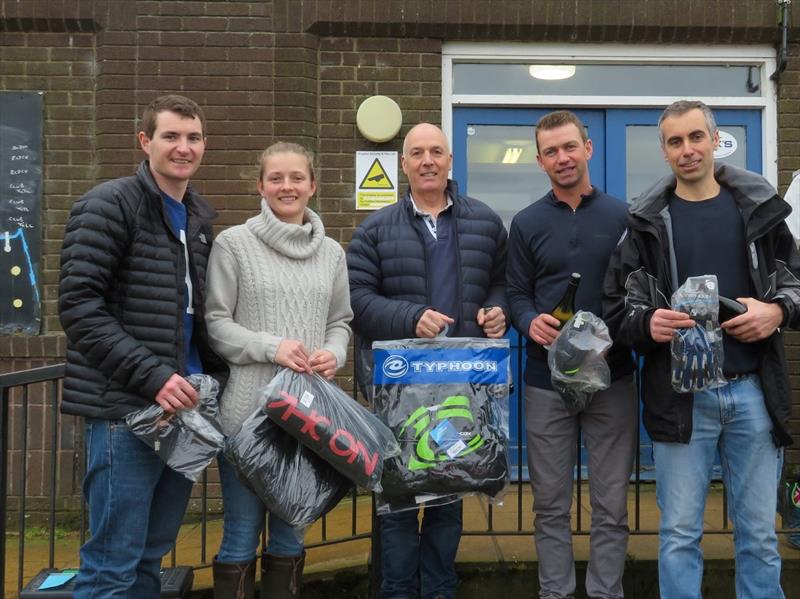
(494, 152)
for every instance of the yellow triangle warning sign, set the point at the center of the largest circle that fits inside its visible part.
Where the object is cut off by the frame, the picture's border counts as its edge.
(376, 177)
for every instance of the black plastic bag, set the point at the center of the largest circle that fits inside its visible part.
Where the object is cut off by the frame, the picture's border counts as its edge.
(293, 482)
(789, 497)
(187, 439)
(446, 400)
(329, 422)
(577, 366)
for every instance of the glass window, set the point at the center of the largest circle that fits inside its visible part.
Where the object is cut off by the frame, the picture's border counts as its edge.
(502, 168)
(607, 80)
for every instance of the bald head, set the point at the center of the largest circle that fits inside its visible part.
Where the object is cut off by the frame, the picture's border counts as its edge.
(426, 162)
(427, 132)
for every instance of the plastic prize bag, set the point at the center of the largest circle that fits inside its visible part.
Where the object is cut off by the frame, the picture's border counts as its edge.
(187, 439)
(333, 425)
(789, 501)
(576, 359)
(446, 401)
(697, 354)
(293, 482)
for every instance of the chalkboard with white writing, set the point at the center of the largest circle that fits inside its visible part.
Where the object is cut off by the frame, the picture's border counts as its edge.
(20, 211)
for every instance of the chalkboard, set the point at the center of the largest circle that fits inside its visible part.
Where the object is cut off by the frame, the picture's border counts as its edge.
(20, 211)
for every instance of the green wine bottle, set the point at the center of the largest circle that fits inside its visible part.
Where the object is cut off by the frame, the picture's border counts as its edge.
(565, 309)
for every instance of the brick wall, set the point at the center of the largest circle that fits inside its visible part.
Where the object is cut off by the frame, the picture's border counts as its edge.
(350, 71)
(788, 162)
(280, 69)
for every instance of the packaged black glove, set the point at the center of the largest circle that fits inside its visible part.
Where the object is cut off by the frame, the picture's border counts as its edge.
(446, 400)
(293, 482)
(577, 366)
(187, 439)
(329, 422)
(697, 354)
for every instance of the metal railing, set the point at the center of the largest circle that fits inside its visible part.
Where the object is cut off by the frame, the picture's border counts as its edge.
(44, 385)
(16, 391)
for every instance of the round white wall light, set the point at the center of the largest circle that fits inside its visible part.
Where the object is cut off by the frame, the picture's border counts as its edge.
(379, 118)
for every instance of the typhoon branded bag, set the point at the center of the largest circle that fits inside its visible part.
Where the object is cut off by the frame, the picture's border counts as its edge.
(325, 419)
(187, 439)
(293, 482)
(446, 401)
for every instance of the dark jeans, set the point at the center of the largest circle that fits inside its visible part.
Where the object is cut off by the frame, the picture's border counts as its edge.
(420, 559)
(136, 505)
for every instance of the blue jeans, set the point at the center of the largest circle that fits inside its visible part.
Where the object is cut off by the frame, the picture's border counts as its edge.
(733, 419)
(136, 505)
(244, 519)
(413, 558)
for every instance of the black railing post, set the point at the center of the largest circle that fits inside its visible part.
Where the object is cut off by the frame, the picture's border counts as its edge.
(53, 396)
(4, 397)
(375, 566)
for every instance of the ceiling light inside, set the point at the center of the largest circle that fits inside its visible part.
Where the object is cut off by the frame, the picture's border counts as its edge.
(512, 155)
(551, 72)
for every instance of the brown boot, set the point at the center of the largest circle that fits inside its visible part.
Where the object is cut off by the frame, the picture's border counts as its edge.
(234, 581)
(281, 576)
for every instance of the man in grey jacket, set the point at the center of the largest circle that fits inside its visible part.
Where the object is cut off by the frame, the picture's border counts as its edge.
(728, 222)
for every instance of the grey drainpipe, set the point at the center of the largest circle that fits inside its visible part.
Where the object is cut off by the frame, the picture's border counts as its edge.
(784, 7)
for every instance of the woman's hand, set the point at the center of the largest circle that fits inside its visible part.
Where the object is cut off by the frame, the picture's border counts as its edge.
(323, 362)
(292, 354)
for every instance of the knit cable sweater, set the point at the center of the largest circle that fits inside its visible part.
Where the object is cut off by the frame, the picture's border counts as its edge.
(269, 281)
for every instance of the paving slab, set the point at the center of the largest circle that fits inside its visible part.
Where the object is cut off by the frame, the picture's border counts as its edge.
(510, 545)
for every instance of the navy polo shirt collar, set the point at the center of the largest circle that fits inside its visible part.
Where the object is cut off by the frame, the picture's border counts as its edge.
(551, 196)
(428, 219)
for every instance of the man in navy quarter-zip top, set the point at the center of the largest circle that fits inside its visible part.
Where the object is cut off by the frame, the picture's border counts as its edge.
(573, 228)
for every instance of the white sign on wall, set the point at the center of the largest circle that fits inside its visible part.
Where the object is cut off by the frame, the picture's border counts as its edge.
(376, 179)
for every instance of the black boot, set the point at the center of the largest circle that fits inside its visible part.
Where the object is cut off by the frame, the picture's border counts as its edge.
(234, 581)
(281, 576)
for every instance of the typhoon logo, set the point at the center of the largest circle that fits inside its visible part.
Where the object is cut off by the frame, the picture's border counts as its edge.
(426, 422)
(395, 366)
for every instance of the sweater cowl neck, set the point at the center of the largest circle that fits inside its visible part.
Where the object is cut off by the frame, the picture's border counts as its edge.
(294, 241)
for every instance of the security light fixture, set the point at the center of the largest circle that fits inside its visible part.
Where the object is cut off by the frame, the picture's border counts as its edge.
(551, 72)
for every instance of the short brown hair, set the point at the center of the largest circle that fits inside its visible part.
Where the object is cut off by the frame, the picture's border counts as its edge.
(559, 118)
(173, 103)
(284, 147)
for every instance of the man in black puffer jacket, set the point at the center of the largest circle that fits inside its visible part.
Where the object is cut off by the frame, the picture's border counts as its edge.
(131, 303)
(431, 264)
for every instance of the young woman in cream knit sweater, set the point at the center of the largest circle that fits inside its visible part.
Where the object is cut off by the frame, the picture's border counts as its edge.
(277, 296)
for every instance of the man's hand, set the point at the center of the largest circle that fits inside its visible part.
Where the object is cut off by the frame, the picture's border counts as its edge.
(664, 322)
(759, 322)
(431, 323)
(544, 329)
(292, 354)
(323, 362)
(493, 321)
(176, 393)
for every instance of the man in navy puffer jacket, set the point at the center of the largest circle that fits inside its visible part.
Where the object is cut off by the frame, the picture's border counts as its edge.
(431, 264)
